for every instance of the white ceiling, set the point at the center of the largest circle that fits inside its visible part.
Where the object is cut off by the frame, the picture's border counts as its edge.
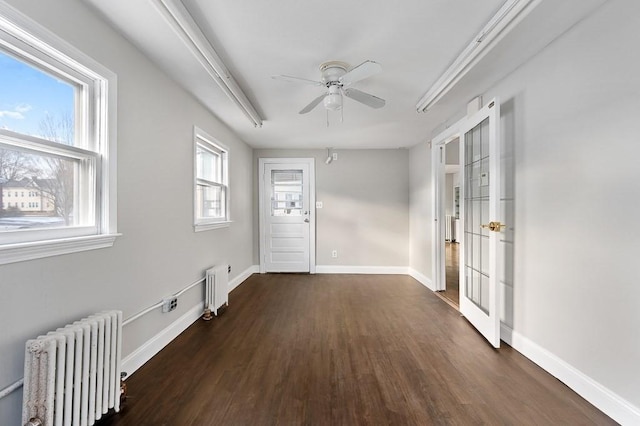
(413, 40)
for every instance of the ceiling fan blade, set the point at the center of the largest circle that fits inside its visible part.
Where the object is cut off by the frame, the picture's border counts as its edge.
(291, 79)
(362, 71)
(314, 103)
(365, 98)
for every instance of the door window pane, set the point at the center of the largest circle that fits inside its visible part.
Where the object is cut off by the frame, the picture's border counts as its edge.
(286, 190)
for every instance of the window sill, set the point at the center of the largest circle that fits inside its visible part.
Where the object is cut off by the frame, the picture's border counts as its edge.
(20, 252)
(199, 227)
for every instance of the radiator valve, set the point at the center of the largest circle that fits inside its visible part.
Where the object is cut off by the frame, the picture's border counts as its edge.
(207, 315)
(123, 388)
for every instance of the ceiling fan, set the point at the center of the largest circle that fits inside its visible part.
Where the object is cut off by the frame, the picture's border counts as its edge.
(337, 81)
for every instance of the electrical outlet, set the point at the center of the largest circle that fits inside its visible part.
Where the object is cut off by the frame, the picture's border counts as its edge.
(169, 304)
(334, 254)
(318, 204)
(229, 269)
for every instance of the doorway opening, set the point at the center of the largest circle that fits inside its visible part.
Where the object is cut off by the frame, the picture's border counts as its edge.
(450, 191)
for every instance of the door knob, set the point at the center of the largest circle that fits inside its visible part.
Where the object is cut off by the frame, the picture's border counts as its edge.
(306, 220)
(494, 226)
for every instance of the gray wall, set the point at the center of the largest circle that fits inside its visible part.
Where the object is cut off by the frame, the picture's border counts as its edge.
(365, 214)
(158, 253)
(421, 209)
(571, 149)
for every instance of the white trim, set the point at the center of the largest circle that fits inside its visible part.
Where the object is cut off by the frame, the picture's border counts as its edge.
(199, 227)
(616, 407)
(253, 269)
(208, 142)
(374, 270)
(132, 362)
(54, 53)
(422, 279)
(437, 184)
(39, 249)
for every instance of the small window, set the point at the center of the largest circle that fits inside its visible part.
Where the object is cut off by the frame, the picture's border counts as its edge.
(211, 193)
(57, 115)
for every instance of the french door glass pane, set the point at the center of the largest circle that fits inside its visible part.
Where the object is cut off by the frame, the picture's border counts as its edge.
(477, 213)
(286, 193)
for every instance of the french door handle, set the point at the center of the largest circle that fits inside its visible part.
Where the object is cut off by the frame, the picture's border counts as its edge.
(494, 226)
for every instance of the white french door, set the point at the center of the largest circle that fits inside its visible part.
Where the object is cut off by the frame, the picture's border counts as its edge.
(287, 225)
(480, 196)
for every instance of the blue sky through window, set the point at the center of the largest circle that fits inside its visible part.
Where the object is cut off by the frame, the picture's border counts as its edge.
(28, 95)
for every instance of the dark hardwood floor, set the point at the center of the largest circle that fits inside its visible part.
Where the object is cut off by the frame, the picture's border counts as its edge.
(452, 273)
(343, 350)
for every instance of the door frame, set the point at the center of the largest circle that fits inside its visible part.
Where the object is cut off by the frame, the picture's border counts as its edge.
(312, 207)
(438, 179)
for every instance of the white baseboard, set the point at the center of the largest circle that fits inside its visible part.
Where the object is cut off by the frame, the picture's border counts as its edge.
(144, 353)
(375, 270)
(422, 279)
(616, 407)
(253, 269)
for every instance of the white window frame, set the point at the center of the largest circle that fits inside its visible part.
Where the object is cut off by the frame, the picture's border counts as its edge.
(95, 130)
(200, 137)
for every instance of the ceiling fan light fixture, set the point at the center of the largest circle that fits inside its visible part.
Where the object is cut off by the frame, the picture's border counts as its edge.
(333, 101)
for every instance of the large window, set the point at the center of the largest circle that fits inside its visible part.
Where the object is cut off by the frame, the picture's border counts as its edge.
(211, 206)
(57, 145)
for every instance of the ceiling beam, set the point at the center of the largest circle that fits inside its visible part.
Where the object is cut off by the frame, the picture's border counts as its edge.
(508, 16)
(183, 24)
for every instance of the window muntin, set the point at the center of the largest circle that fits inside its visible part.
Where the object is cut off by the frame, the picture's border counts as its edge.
(69, 151)
(211, 205)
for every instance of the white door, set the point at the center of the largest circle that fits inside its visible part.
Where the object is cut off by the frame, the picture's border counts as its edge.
(286, 219)
(480, 185)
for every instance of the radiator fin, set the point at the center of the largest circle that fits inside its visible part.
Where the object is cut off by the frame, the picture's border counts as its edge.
(72, 375)
(216, 288)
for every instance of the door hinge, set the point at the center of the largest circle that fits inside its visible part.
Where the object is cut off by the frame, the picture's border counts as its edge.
(492, 104)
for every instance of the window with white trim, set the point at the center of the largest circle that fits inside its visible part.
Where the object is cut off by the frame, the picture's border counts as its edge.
(211, 182)
(57, 144)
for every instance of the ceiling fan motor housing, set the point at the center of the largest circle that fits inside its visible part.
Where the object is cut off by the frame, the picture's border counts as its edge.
(332, 71)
